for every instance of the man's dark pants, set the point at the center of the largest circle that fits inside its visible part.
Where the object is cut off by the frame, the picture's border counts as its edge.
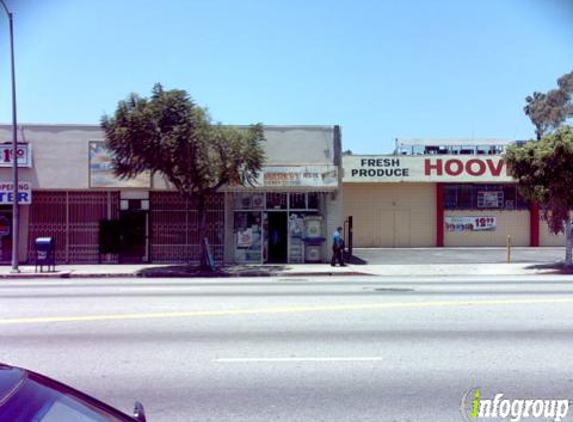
(336, 255)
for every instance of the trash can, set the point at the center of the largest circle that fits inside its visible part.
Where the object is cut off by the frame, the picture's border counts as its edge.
(45, 253)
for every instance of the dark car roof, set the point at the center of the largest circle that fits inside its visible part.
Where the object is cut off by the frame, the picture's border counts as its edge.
(10, 378)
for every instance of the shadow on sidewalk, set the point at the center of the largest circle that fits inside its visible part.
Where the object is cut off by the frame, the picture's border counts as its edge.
(552, 268)
(225, 271)
(178, 270)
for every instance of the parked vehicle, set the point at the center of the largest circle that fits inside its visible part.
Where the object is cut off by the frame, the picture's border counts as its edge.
(27, 396)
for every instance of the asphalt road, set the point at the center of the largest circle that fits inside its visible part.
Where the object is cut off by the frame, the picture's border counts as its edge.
(360, 349)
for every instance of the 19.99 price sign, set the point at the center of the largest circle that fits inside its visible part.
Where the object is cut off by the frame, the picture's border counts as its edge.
(460, 224)
(24, 155)
(485, 223)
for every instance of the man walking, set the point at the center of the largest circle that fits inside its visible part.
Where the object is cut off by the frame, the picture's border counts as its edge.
(337, 248)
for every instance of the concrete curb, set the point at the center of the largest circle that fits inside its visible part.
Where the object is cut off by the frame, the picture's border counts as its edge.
(256, 274)
(299, 274)
(518, 270)
(68, 275)
(57, 274)
(248, 274)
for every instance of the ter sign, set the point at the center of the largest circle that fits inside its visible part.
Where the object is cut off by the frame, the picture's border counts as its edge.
(7, 193)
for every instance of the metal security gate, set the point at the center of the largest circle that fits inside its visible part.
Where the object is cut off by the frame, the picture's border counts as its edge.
(72, 218)
(86, 210)
(174, 236)
(48, 218)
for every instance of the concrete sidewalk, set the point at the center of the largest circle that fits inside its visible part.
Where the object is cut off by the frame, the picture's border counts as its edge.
(290, 270)
(180, 270)
(381, 262)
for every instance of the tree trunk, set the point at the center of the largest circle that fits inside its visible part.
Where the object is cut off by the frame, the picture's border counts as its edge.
(568, 242)
(201, 232)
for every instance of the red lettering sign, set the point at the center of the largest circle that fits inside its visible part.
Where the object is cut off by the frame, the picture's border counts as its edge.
(454, 167)
(475, 167)
(495, 170)
(428, 167)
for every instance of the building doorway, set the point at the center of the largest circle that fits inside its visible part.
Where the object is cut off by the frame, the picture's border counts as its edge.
(277, 237)
(395, 228)
(5, 234)
(134, 236)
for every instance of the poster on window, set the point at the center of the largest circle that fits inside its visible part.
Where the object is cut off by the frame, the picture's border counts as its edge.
(245, 238)
(460, 224)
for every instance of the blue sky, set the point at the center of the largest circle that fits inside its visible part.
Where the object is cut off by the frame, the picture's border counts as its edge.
(379, 69)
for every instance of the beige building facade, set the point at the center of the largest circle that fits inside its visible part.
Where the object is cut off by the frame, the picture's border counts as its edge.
(392, 215)
(72, 196)
(431, 200)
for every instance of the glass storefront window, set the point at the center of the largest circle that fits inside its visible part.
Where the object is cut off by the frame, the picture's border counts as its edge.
(304, 201)
(277, 201)
(313, 201)
(296, 235)
(270, 227)
(483, 196)
(297, 201)
(248, 233)
(249, 201)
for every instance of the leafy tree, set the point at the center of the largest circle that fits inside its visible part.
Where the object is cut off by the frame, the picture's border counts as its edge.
(169, 134)
(565, 83)
(548, 111)
(544, 173)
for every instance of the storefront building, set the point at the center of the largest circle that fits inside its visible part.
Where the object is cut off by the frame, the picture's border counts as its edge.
(438, 195)
(68, 192)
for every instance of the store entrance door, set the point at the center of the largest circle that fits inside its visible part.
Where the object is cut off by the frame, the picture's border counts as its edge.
(133, 236)
(5, 234)
(277, 237)
(394, 228)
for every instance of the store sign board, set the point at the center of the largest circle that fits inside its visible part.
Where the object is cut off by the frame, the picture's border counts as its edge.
(301, 176)
(7, 193)
(101, 170)
(24, 152)
(478, 223)
(446, 168)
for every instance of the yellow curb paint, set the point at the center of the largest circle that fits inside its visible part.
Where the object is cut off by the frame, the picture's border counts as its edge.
(282, 310)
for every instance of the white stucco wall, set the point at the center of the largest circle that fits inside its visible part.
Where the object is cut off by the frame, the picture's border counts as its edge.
(289, 145)
(60, 152)
(59, 155)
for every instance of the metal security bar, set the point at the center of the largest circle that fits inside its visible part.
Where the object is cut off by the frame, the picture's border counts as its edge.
(72, 219)
(174, 235)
